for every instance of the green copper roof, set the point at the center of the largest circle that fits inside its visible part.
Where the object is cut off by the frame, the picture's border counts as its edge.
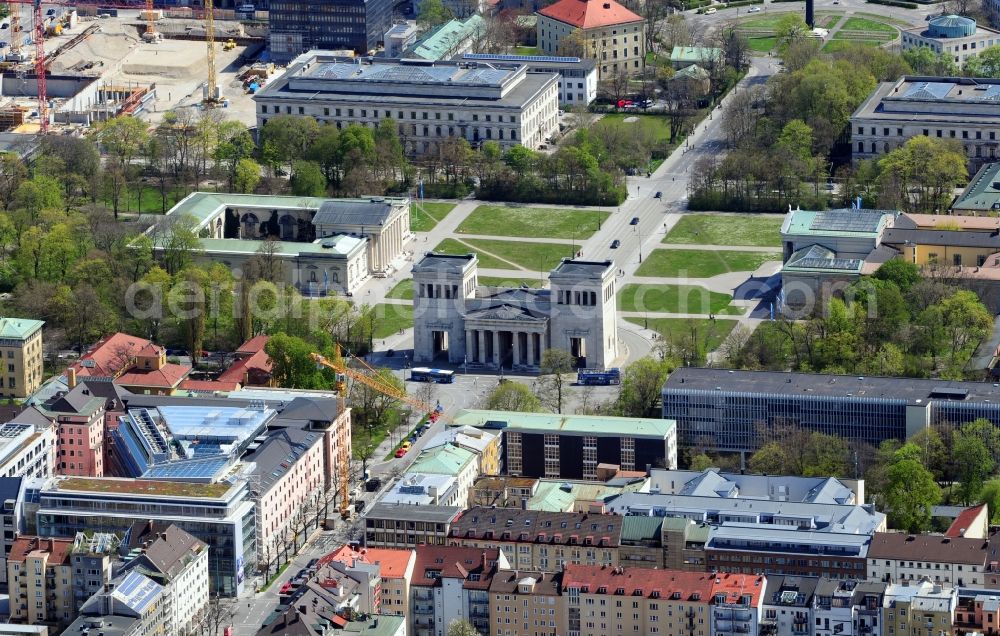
(635, 528)
(694, 54)
(598, 425)
(443, 42)
(202, 205)
(19, 328)
(983, 191)
(442, 460)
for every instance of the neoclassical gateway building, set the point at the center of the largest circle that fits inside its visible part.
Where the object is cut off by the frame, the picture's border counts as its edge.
(323, 246)
(456, 320)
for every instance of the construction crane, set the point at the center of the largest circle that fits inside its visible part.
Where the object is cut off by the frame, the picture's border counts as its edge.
(43, 93)
(367, 376)
(212, 93)
(15, 33)
(151, 34)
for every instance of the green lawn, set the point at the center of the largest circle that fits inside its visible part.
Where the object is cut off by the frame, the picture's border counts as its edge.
(718, 229)
(711, 332)
(402, 290)
(764, 22)
(695, 263)
(675, 299)
(151, 201)
(864, 24)
(654, 126)
(424, 216)
(506, 220)
(526, 50)
(505, 281)
(883, 18)
(389, 319)
(835, 45)
(762, 45)
(530, 256)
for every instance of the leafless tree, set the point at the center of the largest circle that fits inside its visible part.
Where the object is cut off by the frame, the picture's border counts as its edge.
(496, 34)
(615, 84)
(218, 615)
(679, 104)
(323, 498)
(963, 7)
(741, 115)
(676, 32)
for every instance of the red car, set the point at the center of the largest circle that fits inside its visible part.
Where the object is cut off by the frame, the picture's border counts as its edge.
(286, 588)
(400, 452)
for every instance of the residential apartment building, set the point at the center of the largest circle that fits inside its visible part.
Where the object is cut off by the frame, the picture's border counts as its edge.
(40, 581)
(220, 514)
(80, 426)
(761, 536)
(951, 36)
(978, 611)
(27, 450)
(577, 76)
(178, 562)
(955, 108)
(951, 561)
(572, 446)
(726, 408)
(395, 569)
(848, 608)
(449, 461)
(452, 583)
(134, 363)
(287, 478)
(92, 558)
(428, 101)
(484, 444)
(919, 608)
(609, 600)
(713, 483)
(525, 603)
(405, 526)
(137, 598)
(544, 541)
(788, 605)
(608, 32)
(21, 349)
(683, 543)
(334, 25)
(418, 489)
(11, 519)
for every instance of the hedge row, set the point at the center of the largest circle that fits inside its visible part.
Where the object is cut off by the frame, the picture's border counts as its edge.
(893, 3)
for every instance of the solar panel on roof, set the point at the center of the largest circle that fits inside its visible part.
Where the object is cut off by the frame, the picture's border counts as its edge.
(857, 221)
(848, 264)
(501, 57)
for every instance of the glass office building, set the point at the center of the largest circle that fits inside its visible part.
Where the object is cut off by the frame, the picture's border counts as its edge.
(297, 27)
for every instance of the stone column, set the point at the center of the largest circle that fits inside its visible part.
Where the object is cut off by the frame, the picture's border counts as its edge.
(496, 347)
(468, 345)
(531, 349)
(516, 340)
(481, 346)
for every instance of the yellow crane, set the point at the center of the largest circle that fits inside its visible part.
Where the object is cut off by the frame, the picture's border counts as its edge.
(367, 376)
(212, 94)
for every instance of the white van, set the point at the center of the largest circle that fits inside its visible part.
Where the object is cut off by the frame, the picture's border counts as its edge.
(710, 11)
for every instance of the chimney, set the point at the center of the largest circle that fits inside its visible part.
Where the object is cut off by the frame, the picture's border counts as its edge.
(484, 559)
(71, 377)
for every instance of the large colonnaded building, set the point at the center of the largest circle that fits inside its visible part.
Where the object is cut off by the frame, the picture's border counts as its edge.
(429, 101)
(493, 328)
(733, 411)
(325, 246)
(960, 108)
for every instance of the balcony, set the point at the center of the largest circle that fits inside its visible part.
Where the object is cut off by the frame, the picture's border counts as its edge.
(423, 610)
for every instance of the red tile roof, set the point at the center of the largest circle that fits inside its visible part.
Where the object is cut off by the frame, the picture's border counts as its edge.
(964, 521)
(454, 562)
(664, 583)
(392, 562)
(150, 350)
(589, 14)
(253, 345)
(167, 376)
(251, 359)
(208, 386)
(109, 356)
(58, 549)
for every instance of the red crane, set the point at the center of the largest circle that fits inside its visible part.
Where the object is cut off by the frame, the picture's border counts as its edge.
(39, 38)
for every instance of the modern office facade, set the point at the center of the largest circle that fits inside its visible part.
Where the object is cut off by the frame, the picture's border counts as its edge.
(577, 77)
(355, 25)
(222, 515)
(735, 411)
(429, 101)
(571, 446)
(951, 108)
(391, 525)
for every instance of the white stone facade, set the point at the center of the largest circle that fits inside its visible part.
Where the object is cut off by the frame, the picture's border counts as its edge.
(614, 47)
(512, 328)
(189, 595)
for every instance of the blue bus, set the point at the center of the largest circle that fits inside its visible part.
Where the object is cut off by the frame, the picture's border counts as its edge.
(425, 374)
(596, 377)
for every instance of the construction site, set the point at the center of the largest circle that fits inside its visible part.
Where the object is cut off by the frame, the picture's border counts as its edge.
(97, 62)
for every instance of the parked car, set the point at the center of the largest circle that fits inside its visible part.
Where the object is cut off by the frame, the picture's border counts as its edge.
(615, 244)
(373, 484)
(753, 10)
(710, 11)
(658, 195)
(400, 452)
(634, 221)
(359, 506)
(390, 353)
(312, 563)
(407, 445)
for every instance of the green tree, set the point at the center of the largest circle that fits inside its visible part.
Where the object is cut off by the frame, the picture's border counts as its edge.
(432, 13)
(291, 364)
(123, 138)
(769, 459)
(930, 168)
(552, 382)
(966, 321)
(234, 145)
(924, 61)
(289, 137)
(246, 176)
(910, 490)
(903, 274)
(796, 139)
(990, 495)
(188, 297)
(459, 627)
(972, 461)
(642, 383)
(307, 179)
(701, 462)
(178, 239)
(984, 64)
(512, 396)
